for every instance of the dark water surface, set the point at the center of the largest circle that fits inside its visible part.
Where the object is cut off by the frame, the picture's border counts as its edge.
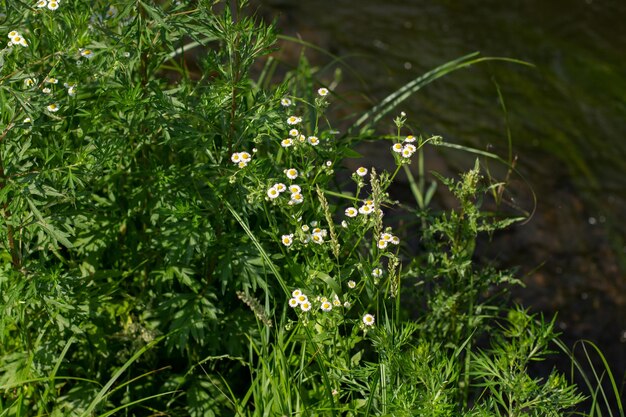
(567, 118)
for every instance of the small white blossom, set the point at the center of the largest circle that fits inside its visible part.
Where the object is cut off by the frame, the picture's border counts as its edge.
(272, 193)
(53, 5)
(313, 140)
(365, 209)
(296, 293)
(294, 132)
(293, 303)
(296, 198)
(397, 148)
(361, 171)
(86, 53)
(112, 12)
(377, 272)
(287, 240)
(409, 139)
(295, 189)
(46, 90)
(368, 320)
(323, 92)
(306, 306)
(293, 120)
(280, 187)
(351, 212)
(285, 102)
(285, 143)
(291, 173)
(326, 306)
(351, 284)
(53, 108)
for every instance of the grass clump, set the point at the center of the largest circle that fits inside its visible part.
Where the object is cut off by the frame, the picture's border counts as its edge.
(176, 240)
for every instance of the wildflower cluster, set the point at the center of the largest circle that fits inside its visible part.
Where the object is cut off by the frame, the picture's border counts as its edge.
(406, 148)
(241, 159)
(367, 208)
(278, 188)
(386, 239)
(15, 38)
(301, 300)
(50, 4)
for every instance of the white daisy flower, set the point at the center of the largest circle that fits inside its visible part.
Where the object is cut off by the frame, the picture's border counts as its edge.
(296, 198)
(306, 306)
(112, 12)
(377, 272)
(71, 90)
(295, 189)
(305, 227)
(407, 153)
(18, 40)
(235, 157)
(336, 301)
(351, 284)
(326, 306)
(280, 187)
(53, 5)
(293, 120)
(86, 53)
(285, 143)
(397, 148)
(245, 156)
(386, 236)
(272, 193)
(51, 80)
(323, 92)
(296, 293)
(293, 303)
(285, 102)
(394, 240)
(287, 240)
(346, 304)
(317, 238)
(365, 209)
(291, 173)
(302, 298)
(242, 164)
(361, 171)
(313, 140)
(294, 132)
(382, 244)
(409, 139)
(13, 34)
(368, 320)
(53, 108)
(351, 212)
(46, 90)
(410, 147)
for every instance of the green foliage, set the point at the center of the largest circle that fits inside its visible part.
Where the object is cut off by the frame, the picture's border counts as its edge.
(170, 245)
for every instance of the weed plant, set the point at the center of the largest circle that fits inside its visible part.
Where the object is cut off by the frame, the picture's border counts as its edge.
(175, 240)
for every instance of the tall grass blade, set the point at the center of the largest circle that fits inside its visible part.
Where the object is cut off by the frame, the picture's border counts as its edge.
(393, 100)
(105, 390)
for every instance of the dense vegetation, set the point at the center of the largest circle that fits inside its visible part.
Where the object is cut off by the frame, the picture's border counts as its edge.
(184, 241)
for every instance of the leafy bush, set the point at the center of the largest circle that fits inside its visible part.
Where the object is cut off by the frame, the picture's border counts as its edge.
(175, 240)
